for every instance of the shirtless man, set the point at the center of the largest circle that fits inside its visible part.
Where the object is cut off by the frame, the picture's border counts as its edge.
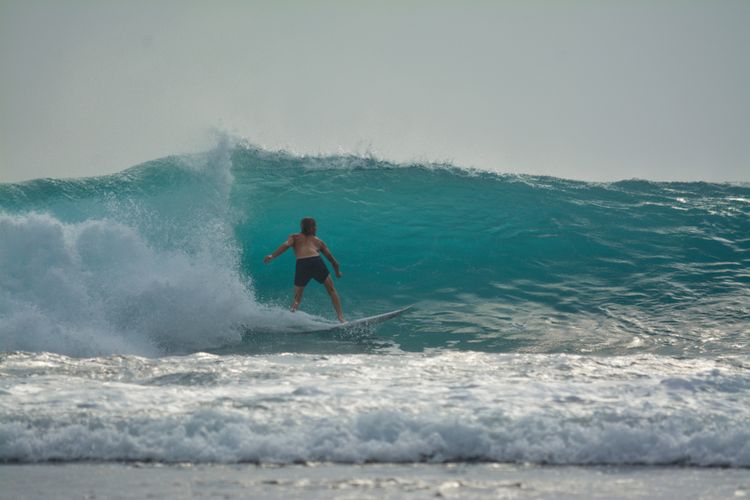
(307, 248)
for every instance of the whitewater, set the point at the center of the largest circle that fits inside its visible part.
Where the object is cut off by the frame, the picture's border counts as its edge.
(556, 322)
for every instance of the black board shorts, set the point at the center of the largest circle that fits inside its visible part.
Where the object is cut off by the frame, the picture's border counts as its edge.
(308, 268)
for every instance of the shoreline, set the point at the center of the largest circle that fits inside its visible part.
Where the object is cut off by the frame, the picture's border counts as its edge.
(326, 480)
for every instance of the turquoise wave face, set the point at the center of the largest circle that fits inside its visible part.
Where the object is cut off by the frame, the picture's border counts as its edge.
(509, 262)
(493, 262)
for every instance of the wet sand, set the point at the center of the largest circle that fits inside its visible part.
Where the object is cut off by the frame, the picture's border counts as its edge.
(324, 481)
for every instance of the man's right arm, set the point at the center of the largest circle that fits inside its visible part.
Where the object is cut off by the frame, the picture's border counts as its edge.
(282, 248)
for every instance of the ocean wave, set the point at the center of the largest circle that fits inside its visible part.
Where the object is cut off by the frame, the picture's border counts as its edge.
(495, 262)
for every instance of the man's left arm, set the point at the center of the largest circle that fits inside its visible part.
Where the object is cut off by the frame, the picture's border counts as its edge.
(330, 257)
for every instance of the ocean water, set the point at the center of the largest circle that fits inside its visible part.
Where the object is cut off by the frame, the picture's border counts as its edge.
(556, 322)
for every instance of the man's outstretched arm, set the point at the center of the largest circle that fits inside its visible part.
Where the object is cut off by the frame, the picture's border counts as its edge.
(282, 248)
(331, 259)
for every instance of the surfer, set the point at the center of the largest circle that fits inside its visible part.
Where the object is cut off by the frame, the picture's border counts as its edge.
(307, 248)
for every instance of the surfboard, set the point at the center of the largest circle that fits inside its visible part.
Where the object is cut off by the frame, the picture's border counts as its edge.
(362, 322)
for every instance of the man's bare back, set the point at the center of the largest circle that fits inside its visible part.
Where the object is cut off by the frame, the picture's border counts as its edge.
(304, 246)
(307, 249)
(311, 246)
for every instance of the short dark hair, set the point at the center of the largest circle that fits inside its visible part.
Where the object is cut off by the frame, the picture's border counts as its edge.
(307, 225)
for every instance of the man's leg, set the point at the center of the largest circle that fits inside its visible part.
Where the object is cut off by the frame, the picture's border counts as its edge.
(297, 297)
(334, 298)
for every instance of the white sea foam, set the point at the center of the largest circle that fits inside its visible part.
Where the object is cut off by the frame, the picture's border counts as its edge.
(402, 408)
(98, 287)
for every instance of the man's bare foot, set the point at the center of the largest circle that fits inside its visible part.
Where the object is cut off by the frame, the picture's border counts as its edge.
(294, 306)
(341, 319)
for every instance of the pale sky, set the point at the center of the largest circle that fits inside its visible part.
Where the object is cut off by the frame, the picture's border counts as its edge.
(594, 90)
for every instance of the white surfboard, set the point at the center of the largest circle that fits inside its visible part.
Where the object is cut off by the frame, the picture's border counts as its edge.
(362, 322)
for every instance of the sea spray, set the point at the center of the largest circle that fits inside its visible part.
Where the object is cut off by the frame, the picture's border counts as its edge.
(142, 262)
